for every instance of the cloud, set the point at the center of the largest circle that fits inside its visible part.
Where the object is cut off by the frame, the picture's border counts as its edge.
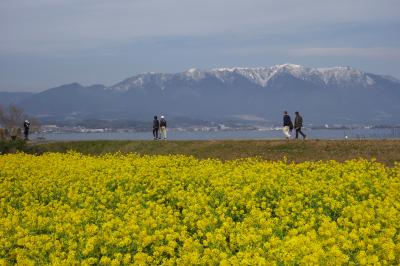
(372, 53)
(47, 42)
(52, 26)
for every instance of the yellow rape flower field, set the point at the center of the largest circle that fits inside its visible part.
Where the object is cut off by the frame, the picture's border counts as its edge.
(66, 209)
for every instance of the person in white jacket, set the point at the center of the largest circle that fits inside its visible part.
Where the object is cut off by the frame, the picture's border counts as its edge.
(163, 127)
(287, 124)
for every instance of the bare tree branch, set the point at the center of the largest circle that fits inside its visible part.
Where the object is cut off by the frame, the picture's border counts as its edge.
(12, 119)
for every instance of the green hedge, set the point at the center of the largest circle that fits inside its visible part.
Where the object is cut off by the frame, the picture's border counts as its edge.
(12, 146)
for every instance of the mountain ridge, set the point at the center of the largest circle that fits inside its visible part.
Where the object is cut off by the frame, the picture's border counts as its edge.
(260, 75)
(342, 95)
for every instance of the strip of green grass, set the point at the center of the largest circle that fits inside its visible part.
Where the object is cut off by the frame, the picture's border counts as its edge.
(386, 151)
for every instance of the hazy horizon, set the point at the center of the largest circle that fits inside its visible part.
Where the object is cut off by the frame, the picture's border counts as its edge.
(49, 43)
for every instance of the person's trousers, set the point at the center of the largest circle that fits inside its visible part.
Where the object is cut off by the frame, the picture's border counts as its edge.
(298, 130)
(286, 131)
(155, 133)
(163, 132)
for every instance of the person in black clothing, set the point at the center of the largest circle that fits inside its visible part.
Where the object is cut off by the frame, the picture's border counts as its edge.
(26, 129)
(156, 126)
(298, 123)
(287, 124)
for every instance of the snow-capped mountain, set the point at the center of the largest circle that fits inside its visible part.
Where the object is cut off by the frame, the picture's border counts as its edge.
(336, 76)
(324, 95)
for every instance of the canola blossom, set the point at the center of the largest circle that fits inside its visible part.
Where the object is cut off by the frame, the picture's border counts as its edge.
(73, 209)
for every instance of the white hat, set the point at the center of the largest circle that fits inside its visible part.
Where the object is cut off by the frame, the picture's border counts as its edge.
(162, 116)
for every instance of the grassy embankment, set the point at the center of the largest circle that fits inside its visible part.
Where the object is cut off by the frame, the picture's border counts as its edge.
(385, 151)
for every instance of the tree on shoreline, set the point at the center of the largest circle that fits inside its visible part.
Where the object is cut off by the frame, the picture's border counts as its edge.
(12, 119)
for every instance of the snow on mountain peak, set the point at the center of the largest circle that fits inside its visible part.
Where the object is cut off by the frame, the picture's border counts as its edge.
(289, 66)
(337, 76)
(341, 74)
(195, 74)
(192, 70)
(262, 75)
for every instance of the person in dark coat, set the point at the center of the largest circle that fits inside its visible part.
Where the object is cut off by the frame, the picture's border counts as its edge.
(27, 125)
(287, 124)
(156, 126)
(298, 123)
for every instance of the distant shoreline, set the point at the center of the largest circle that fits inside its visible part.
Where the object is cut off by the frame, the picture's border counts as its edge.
(82, 129)
(323, 133)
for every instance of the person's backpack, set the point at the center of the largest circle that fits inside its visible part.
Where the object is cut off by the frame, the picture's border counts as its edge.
(291, 126)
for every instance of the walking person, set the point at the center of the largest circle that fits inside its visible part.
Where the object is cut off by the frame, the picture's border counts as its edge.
(298, 123)
(163, 127)
(27, 126)
(156, 126)
(287, 124)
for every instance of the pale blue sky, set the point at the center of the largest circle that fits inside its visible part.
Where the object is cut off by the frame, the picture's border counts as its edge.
(46, 43)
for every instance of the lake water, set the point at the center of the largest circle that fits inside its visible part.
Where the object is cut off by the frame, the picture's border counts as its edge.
(225, 135)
